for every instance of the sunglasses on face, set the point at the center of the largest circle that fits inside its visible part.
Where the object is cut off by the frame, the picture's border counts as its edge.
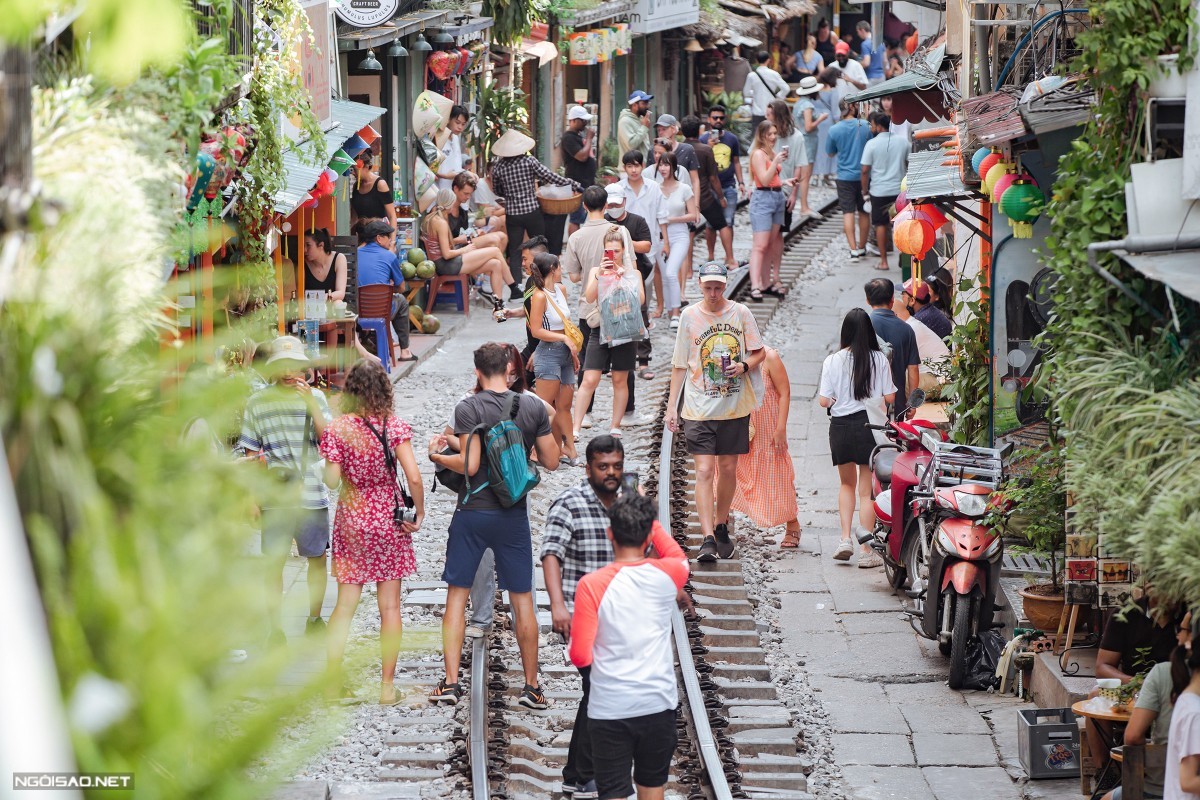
(717, 119)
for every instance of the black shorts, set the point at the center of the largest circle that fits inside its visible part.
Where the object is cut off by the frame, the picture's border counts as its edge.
(714, 215)
(850, 197)
(717, 437)
(643, 745)
(879, 209)
(622, 358)
(850, 440)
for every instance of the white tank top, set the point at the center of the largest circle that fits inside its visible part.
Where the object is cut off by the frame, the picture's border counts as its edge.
(551, 319)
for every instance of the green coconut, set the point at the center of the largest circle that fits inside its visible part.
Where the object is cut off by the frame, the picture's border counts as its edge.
(431, 324)
(416, 255)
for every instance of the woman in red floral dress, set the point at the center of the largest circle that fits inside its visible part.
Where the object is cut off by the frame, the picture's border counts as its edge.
(368, 546)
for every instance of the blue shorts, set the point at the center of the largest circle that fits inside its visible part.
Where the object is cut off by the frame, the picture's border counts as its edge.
(578, 216)
(731, 200)
(308, 526)
(810, 147)
(506, 532)
(552, 362)
(766, 209)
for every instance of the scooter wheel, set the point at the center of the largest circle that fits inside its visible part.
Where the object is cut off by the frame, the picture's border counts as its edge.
(897, 576)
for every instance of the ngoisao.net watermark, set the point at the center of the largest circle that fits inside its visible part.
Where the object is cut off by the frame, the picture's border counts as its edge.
(120, 781)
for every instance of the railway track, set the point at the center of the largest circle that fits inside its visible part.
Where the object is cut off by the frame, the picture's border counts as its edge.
(736, 738)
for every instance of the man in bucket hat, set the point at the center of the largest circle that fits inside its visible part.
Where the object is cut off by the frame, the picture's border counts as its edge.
(282, 426)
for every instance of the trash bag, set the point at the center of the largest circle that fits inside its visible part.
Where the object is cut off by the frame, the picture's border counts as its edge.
(983, 655)
(620, 309)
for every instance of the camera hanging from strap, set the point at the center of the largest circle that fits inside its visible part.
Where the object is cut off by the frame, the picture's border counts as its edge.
(390, 458)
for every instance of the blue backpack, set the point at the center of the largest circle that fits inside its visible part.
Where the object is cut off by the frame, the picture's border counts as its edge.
(510, 473)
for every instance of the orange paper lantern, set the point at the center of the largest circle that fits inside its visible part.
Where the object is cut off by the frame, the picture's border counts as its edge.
(914, 237)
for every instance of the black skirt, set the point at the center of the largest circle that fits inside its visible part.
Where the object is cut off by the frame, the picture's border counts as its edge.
(850, 440)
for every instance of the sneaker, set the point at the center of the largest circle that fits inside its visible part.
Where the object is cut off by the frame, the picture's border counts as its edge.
(587, 421)
(314, 625)
(725, 546)
(486, 295)
(476, 631)
(631, 420)
(587, 792)
(844, 551)
(515, 293)
(869, 560)
(533, 697)
(708, 551)
(855, 255)
(674, 323)
(276, 638)
(449, 693)
(872, 249)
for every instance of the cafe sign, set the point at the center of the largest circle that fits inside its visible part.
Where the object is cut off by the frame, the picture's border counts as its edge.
(366, 13)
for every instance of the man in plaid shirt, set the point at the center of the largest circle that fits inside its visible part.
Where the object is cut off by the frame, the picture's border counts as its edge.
(515, 176)
(574, 543)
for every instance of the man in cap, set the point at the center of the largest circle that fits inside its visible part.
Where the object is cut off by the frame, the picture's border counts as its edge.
(378, 263)
(919, 302)
(633, 124)
(717, 346)
(763, 85)
(282, 426)
(579, 156)
(854, 77)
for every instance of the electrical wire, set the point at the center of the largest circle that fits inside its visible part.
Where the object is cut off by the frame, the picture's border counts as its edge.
(1028, 37)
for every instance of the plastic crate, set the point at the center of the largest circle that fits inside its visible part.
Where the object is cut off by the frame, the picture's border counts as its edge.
(1048, 741)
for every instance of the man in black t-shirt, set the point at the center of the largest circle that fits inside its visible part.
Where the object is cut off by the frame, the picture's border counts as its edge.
(480, 522)
(579, 156)
(712, 197)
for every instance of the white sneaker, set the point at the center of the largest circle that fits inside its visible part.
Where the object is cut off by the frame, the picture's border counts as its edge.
(872, 249)
(674, 323)
(855, 255)
(634, 420)
(475, 631)
(844, 551)
(869, 560)
(587, 421)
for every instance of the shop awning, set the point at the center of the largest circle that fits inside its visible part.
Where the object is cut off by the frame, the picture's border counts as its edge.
(363, 38)
(784, 10)
(1175, 268)
(920, 76)
(544, 52)
(346, 119)
(600, 13)
(928, 177)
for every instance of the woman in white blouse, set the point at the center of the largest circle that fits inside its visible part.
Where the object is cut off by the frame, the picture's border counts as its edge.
(856, 374)
(681, 209)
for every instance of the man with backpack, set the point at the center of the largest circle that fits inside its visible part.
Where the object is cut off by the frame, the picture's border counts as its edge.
(496, 429)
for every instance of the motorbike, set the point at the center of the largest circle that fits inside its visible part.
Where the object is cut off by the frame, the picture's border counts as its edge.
(938, 494)
(896, 467)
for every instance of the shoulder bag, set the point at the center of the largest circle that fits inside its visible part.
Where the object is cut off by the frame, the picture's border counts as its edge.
(401, 493)
(768, 86)
(569, 328)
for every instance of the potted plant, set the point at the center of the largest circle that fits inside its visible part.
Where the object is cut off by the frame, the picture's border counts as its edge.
(1038, 498)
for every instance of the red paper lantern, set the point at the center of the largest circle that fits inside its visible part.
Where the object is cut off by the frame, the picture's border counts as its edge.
(1006, 180)
(987, 163)
(914, 237)
(901, 201)
(936, 218)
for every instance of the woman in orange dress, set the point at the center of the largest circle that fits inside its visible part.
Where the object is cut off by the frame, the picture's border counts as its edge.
(766, 481)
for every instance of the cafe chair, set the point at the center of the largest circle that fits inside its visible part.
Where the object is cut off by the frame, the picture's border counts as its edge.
(458, 291)
(1135, 760)
(375, 314)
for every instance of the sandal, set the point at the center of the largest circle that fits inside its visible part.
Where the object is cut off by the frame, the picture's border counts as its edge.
(388, 696)
(774, 292)
(615, 432)
(645, 373)
(756, 295)
(791, 539)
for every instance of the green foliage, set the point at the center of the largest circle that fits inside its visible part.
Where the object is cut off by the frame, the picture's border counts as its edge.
(610, 159)
(969, 387)
(136, 523)
(732, 101)
(1126, 387)
(499, 110)
(1038, 494)
(513, 19)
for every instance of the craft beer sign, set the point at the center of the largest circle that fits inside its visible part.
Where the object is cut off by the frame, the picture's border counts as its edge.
(366, 13)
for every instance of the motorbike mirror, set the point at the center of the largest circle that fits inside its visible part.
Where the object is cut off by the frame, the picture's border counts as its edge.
(916, 398)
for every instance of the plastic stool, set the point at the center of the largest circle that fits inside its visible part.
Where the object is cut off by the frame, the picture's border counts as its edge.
(383, 339)
(459, 292)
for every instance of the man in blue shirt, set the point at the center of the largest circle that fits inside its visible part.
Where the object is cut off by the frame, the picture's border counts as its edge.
(846, 140)
(378, 263)
(905, 357)
(873, 57)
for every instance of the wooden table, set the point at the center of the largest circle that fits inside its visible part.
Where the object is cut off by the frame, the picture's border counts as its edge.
(335, 329)
(1094, 709)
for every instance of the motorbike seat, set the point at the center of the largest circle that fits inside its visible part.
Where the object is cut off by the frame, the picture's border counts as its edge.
(884, 460)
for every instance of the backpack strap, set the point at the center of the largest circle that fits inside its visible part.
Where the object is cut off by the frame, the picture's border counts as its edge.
(482, 429)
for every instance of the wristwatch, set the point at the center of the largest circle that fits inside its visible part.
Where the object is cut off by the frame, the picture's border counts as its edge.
(745, 369)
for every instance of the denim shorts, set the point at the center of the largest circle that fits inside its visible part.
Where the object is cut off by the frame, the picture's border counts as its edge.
(504, 531)
(578, 216)
(766, 209)
(731, 201)
(308, 526)
(552, 362)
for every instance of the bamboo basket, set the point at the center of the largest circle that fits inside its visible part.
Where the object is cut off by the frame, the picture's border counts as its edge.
(567, 206)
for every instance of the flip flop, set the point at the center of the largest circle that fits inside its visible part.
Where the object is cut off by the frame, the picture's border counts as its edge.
(646, 374)
(615, 432)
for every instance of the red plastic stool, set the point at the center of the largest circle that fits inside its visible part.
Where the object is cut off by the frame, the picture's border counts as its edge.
(457, 290)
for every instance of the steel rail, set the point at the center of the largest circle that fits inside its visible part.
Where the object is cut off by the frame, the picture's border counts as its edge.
(479, 713)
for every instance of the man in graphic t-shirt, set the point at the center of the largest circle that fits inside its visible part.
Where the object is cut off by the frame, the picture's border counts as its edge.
(717, 346)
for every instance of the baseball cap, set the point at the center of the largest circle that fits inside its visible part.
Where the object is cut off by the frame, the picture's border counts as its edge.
(713, 271)
(578, 112)
(841, 48)
(616, 194)
(666, 120)
(638, 95)
(922, 291)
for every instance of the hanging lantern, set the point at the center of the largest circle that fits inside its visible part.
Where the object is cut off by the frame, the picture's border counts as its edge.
(901, 201)
(998, 171)
(1006, 180)
(989, 161)
(904, 184)
(341, 162)
(1022, 204)
(934, 214)
(355, 145)
(368, 134)
(979, 156)
(914, 237)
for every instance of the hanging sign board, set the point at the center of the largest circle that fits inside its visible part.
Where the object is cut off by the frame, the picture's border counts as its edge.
(652, 16)
(366, 13)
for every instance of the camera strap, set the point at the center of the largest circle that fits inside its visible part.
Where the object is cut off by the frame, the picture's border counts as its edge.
(390, 459)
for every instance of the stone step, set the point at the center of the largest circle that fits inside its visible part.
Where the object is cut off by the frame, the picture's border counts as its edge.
(759, 672)
(730, 622)
(393, 757)
(726, 592)
(735, 655)
(776, 785)
(715, 577)
(739, 724)
(777, 741)
(724, 605)
(719, 637)
(527, 748)
(745, 690)
(410, 774)
(415, 739)
(780, 715)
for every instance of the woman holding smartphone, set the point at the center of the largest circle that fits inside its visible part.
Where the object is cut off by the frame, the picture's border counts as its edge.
(766, 205)
(619, 358)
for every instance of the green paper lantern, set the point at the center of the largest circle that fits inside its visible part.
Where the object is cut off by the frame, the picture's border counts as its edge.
(341, 162)
(1022, 203)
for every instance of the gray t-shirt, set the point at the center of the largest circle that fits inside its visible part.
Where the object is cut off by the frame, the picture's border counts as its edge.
(887, 156)
(487, 408)
(1156, 696)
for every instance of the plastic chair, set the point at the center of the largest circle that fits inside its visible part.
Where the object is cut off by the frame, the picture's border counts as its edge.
(459, 292)
(375, 314)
